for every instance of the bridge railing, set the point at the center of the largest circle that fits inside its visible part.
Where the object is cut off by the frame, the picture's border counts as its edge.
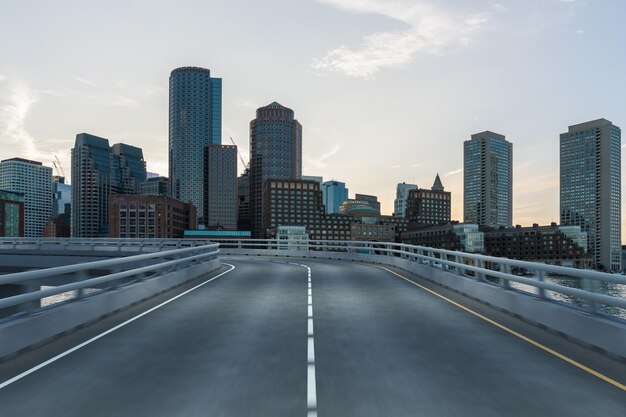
(592, 291)
(92, 277)
(93, 244)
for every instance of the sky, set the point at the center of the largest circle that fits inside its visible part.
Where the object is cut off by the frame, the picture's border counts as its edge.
(386, 91)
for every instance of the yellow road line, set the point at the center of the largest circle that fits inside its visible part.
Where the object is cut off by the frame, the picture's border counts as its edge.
(516, 334)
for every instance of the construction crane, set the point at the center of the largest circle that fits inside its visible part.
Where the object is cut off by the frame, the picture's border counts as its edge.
(58, 166)
(246, 165)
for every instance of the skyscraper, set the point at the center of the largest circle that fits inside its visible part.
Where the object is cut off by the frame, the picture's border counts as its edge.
(98, 171)
(33, 180)
(334, 194)
(195, 114)
(221, 187)
(488, 180)
(590, 188)
(275, 153)
(402, 195)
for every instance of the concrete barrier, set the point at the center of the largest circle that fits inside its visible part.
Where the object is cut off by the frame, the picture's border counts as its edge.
(33, 330)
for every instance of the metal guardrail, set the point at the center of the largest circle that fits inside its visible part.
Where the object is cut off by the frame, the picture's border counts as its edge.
(118, 271)
(92, 244)
(586, 289)
(493, 270)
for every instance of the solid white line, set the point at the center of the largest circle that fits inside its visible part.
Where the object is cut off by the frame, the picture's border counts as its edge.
(101, 335)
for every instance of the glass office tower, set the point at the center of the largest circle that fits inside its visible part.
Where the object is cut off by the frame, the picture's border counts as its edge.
(195, 122)
(590, 188)
(488, 180)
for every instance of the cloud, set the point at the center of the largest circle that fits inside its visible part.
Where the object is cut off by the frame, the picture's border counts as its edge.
(430, 30)
(456, 171)
(3, 77)
(396, 166)
(84, 81)
(320, 162)
(13, 115)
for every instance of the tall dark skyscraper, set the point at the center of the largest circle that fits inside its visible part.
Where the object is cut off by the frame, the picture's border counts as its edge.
(275, 153)
(195, 123)
(591, 188)
(488, 180)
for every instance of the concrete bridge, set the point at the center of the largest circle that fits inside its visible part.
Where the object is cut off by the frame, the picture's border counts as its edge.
(266, 328)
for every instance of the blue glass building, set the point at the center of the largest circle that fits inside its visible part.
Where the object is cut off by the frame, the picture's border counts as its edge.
(334, 193)
(590, 188)
(488, 180)
(195, 122)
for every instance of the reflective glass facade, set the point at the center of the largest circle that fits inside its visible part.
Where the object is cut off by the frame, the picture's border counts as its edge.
(590, 188)
(488, 180)
(195, 121)
(334, 193)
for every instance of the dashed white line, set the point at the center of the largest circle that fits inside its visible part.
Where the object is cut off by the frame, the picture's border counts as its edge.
(311, 389)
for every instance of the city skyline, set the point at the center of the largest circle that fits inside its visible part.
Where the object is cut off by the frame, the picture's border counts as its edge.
(343, 103)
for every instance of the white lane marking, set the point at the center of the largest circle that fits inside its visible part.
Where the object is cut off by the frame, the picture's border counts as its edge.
(101, 335)
(311, 385)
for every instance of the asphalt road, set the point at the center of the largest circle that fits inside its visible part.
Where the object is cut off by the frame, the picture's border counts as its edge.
(239, 346)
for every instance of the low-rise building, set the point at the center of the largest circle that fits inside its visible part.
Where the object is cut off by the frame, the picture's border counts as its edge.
(292, 238)
(299, 203)
(553, 244)
(463, 237)
(149, 216)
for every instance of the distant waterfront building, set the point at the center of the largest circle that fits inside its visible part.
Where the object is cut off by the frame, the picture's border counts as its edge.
(315, 178)
(34, 181)
(556, 245)
(292, 237)
(155, 185)
(334, 193)
(275, 153)
(463, 237)
(429, 207)
(372, 200)
(359, 208)
(243, 201)
(299, 203)
(590, 188)
(220, 205)
(195, 122)
(402, 195)
(149, 217)
(488, 180)
(97, 172)
(11, 214)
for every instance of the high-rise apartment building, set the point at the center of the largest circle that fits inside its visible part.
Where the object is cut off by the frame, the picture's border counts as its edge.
(590, 188)
(275, 152)
(61, 195)
(155, 186)
(98, 171)
(334, 194)
(488, 180)
(220, 205)
(195, 122)
(402, 195)
(33, 180)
